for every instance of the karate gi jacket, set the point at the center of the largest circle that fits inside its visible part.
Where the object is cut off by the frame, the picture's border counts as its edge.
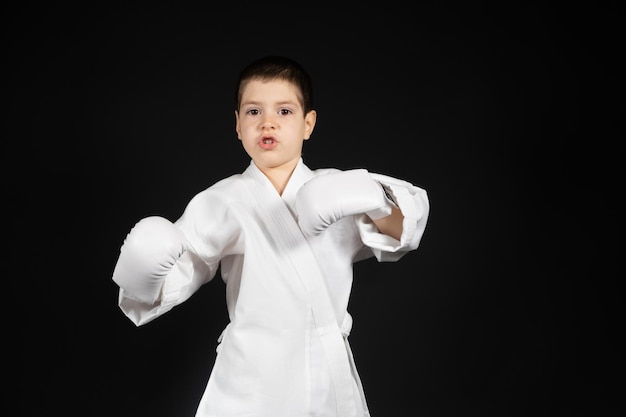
(285, 351)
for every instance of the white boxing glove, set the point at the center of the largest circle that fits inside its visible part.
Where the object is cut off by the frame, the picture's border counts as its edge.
(147, 255)
(327, 198)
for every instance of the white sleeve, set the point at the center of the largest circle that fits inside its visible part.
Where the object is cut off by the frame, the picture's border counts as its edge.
(188, 274)
(414, 204)
(212, 233)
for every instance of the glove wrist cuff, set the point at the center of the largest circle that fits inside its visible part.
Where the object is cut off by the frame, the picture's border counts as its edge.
(386, 208)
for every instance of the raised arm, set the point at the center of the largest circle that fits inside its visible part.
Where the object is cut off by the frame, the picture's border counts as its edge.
(327, 198)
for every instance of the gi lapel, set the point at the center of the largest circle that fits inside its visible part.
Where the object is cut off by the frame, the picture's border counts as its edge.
(296, 248)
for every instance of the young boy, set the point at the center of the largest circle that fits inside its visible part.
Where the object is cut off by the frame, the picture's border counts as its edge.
(286, 238)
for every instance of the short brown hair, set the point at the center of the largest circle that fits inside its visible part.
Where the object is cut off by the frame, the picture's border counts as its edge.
(277, 67)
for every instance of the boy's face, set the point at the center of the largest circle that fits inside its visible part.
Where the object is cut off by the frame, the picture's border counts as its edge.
(271, 123)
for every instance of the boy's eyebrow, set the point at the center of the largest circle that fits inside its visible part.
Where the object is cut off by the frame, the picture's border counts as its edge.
(279, 103)
(285, 102)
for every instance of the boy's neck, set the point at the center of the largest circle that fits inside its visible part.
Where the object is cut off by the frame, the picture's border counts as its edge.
(279, 176)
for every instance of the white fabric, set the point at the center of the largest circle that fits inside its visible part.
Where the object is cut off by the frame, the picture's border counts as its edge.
(278, 357)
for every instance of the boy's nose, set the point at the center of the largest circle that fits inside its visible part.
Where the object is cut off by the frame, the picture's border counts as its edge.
(267, 124)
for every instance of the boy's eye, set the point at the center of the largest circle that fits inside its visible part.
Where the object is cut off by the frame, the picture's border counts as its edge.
(284, 111)
(253, 111)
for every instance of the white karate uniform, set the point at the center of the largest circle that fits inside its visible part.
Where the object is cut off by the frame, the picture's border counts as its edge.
(285, 351)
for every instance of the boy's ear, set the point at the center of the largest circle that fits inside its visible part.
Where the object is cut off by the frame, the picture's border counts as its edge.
(309, 123)
(237, 125)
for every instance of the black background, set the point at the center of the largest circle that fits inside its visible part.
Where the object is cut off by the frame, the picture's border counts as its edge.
(506, 115)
